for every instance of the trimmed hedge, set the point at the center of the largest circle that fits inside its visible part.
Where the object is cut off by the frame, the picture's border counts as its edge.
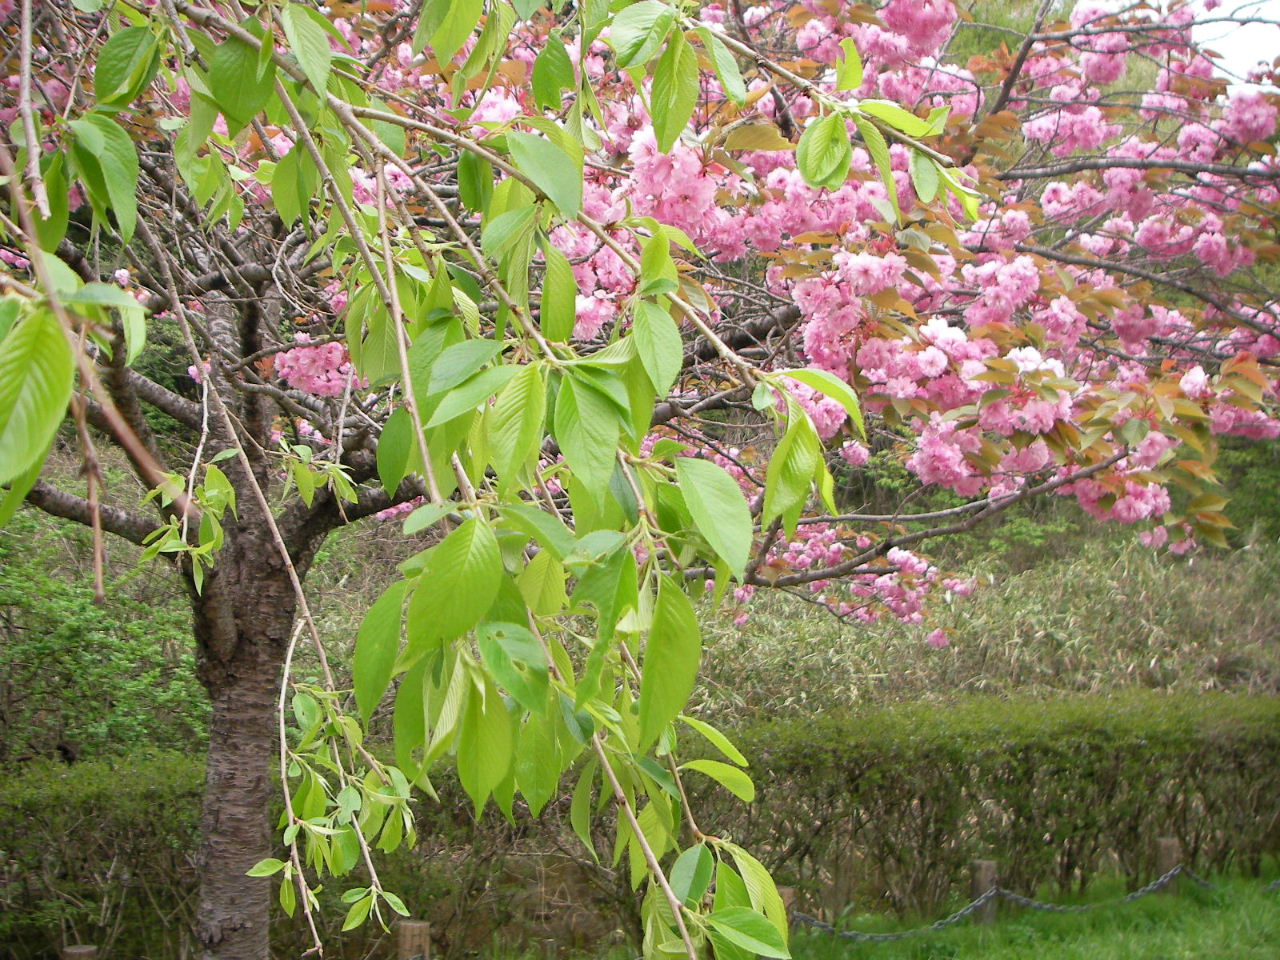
(881, 806)
(891, 803)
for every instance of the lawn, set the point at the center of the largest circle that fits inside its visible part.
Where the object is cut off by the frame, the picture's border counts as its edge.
(1238, 920)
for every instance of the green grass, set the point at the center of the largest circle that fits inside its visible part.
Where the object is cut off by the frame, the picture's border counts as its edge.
(1238, 920)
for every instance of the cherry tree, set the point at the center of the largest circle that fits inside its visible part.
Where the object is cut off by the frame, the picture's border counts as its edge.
(602, 297)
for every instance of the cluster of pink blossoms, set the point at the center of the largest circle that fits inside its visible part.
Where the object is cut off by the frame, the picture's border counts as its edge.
(323, 370)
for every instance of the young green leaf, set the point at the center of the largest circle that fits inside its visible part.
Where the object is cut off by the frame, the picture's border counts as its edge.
(691, 874)
(553, 171)
(516, 660)
(116, 169)
(552, 72)
(310, 44)
(638, 30)
(586, 427)
(726, 66)
(127, 63)
(731, 778)
(36, 371)
(486, 739)
(377, 645)
(879, 150)
(824, 152)
(849, 67)
(457, 585)
(659, 344)
(831, 386)
(670, 662)
(719, 510)
(745, 928)
(924, 176)
(559, 295)
(896, 116)
(675, 91)
(456, 26)
(716, 739)
(239, 83)
(516, 422)
(791, 471)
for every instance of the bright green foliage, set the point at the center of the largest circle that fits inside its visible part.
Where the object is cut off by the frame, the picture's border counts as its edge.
(103, 680)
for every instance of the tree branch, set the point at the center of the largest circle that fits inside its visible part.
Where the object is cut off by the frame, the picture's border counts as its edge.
(58, 503)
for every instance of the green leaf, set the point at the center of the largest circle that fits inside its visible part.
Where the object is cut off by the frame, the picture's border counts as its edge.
(266, 868)
(638, 30)
(924, 176)
(377, 645)
(719, 510)
(517, 661)
(716, 739)
(580, 807)
(675, 91)
(36, 372)
(310, 44)
(475, 181)
(239, 83)
(358, 913)
(895, 116)
(395, 449)
(457, 585)
(879, 150)
(538, 760)
(829, 385)
(127, 63)
(486, 740)
(745, 928)
(455, 28)
(559, 310)
(849, 67)
(731, 778)
(506, 230)
(659, 344)
(516, 422)
(552, 72)
(459, 362)
(469, 395)
(691, 874)
(554, 172)
(791, 471)
(824, 152)
(107, 141)
(542, 584)
(670, 662)
(586, 428)
(726, 66)
(761, 888)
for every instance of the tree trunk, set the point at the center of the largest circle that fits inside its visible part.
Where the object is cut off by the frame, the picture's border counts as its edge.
(242, 624)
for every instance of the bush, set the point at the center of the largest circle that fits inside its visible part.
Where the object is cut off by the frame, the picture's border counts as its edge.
(102, 852)
(88, 680)
(891, 803)
(882, 806)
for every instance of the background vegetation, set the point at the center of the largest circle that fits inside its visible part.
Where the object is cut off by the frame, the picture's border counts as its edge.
(870, 747)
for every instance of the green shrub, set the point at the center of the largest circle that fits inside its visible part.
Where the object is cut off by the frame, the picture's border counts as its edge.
(101, 852)
(877, 807)
(890, 804)
(87, 679)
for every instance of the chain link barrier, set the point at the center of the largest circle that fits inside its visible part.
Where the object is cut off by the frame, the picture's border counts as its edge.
(1000, 893)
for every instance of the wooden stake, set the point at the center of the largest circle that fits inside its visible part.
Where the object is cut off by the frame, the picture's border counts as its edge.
(413, 940)
(982, 877)
(1168, 856)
